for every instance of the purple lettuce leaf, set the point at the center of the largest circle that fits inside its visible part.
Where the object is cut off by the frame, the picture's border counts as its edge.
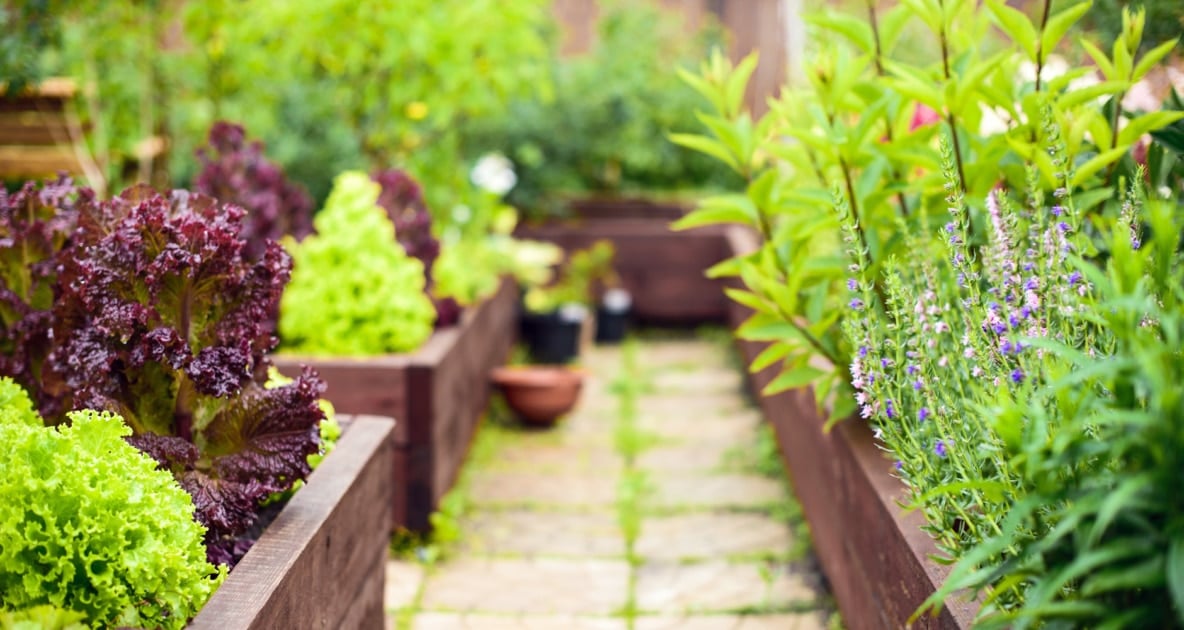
(234, 171)
(36, 223)
(163, 318)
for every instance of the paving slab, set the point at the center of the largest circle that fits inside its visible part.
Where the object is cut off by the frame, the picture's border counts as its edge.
(547, 586)
(454, 621)
(688, 427)
(700, 457)
(568, 455)
(535, 533)
(530, 488)
(704, 380)
(711, 535)
(403, 579)
(795, 621)
(713, 491)
(680, 588)
(679, 354)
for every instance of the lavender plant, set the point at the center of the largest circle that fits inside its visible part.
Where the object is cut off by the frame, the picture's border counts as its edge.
(857, 127)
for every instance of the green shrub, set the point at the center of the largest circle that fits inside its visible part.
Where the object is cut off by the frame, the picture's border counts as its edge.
(90, 525)
(354, 291)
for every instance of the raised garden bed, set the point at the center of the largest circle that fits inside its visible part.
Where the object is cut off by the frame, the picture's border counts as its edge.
(662, 269)
(874, 554)
(322, 562)
(437, 394)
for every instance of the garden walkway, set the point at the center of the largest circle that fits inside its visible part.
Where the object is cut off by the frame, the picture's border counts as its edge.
(658, 504)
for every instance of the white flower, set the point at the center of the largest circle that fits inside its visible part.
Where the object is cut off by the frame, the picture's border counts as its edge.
(495, 173)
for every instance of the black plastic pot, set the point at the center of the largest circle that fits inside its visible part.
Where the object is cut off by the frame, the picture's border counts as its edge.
(611, 325)
(554, 337)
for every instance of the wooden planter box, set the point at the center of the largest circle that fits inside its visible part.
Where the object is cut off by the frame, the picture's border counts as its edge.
(661, 268)
(322, 562)
(437, 395)
(873, 553)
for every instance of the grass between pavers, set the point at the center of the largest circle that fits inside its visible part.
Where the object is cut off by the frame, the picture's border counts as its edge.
(634, 486)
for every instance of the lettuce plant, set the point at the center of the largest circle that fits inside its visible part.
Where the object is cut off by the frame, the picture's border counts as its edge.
(92, 527)
(354, 290)
(35, 226)
(402, 198)
(236, 172)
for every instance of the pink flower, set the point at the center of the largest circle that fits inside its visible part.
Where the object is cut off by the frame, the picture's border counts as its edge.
(923, 115)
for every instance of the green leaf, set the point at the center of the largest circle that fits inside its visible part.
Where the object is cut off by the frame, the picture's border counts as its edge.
(703, 87)
(1084, 95)
(774, 353)
(1175, 572)
(747, 298)
(858, 31)
(1146, 123)
(1171, 137)
(792, 379)
(1153, 56)
(1017, 26)
(1058, 25)
(738, 82)
(708, 146)
(1100, 59)
(721, 209)
(1097, 163)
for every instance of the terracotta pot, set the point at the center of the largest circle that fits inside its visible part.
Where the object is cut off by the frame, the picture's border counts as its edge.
(539, 394)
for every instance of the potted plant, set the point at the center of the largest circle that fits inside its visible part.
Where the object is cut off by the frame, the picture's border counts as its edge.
(556, 317)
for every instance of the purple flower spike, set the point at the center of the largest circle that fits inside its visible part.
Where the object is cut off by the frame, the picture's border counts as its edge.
(856, 304)
(852, 284)
(911, 369)
(1017, 376)
(863, 352)
(940, 448)
(1057, 210)
(889, 410)
(1074, 278)
(899, 465)
(923, 414)
(1063, 227)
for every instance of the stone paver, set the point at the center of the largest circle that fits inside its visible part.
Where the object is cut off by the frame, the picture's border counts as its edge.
(541, 547)
(685, 536)
(534, 533)
(453, 621)
(672, 588)
(795, 621)
(402, 583)
(588, 587)
(714, 491)
(498, 487)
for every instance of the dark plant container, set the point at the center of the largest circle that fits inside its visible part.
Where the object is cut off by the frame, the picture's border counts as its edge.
(612, 316)
(553, 337)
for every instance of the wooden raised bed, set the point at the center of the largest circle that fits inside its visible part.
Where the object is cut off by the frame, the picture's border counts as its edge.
(322, 562)
(662, 269)
(437, 394)
(874, 554)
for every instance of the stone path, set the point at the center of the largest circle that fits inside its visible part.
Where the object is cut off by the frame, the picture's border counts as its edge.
(643, 510)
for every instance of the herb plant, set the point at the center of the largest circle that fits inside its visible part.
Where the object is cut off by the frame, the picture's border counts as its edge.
(237, 173)
(92, 527)
(865, 127)
(354, 290)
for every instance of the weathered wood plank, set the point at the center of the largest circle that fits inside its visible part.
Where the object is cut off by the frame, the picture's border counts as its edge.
(316, 563)
(437, 393)
(20, 161)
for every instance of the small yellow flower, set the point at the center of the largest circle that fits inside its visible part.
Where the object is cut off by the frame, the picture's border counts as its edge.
(416, 110)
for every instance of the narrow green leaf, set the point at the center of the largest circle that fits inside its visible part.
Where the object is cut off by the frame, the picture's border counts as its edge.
(774, 353)
(1153, 56)
(1146, 123)
(1058, 25)
(1017, 26)
(706, 145)
(1097, 163)
(792, 379)
(1100, 59)
(1175, 573)
(738, 82)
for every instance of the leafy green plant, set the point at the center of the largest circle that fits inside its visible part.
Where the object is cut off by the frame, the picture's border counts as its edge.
(92, 526)
(354, 290)
(601, 131)
(144, 305)
(586, 272)
(864, 130)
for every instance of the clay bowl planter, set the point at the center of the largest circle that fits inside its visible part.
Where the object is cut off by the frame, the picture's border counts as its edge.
(539, 394)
